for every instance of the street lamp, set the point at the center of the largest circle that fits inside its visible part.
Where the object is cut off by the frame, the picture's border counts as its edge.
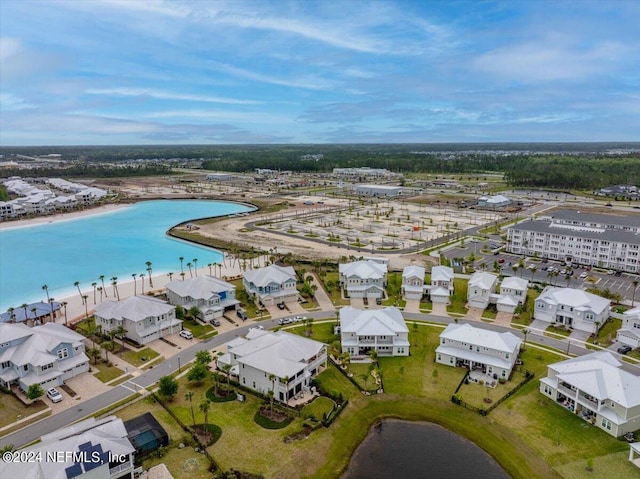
(179, 365)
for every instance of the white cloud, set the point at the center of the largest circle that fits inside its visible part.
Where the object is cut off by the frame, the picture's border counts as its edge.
(9, 102)
(164, 95)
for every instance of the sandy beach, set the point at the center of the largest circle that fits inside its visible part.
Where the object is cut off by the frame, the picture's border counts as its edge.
(99, 210)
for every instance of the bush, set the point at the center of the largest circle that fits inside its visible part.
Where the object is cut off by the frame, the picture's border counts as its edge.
(267, 423)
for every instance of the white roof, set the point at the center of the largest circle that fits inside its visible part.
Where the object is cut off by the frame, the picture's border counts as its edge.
(513, 282)
(439, 291)
(364, 269)
(372, 322)
(575, 298)
(475, 356)
(134, 308)
(600, 375)
(495, 199)
(281, 354)
(465, 333)
(413, 270)
(483, 280)
(202, 287)
(271, 274)
(441, 273)
(632, 313)
(507, 300)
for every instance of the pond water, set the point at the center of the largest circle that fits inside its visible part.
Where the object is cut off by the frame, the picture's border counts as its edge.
(117, 243)
(410, 450)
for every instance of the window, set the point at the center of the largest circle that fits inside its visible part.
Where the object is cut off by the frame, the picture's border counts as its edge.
(47, 366)
(6, 364)
(63, 353)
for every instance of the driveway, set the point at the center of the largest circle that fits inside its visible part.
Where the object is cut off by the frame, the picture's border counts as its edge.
(538, 324)
(412, 306)
(86, 386)
(474, 314)
(579, 335)
(322, 298)
(168, 350)
(357, 303)
(503, 318)
(439, 309)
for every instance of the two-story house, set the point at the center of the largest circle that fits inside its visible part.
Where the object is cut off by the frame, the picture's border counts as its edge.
(480, 288)
(477, 349)
(381, 330)
(90, 449)
(144, 318)
(441, 287)
(413, 282)
(513, 292)
(629, 333)
(32, 314)
(47, 355)
(271, 285)
(363, 279)
(281, 362)
(572, 308)
(597, 389)
(211, 295)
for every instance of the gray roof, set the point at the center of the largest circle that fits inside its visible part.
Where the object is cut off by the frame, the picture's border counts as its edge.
(606, 219)
(202, 287)
(41, 309)
(366, 269)
(134, 308)
(540, 226)
(372, 322)
(465, 333)
(271, 274)
(576, 298)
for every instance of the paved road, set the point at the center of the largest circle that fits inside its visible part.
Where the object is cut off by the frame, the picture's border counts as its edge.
(87, 408)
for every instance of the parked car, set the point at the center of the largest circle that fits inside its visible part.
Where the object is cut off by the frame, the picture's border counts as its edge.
(54, 395)
(285, 321)
(215, 322)
(297, 319)
(282, 305)
(241, 314)
(378, 301)
(501, 260)
(256, 327)
(584, 274)
(624, 349)
(186, 334)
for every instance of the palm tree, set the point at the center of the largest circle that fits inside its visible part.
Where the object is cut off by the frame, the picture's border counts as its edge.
(100, 290)
(33, 312)
(64, 305)
(170, 274)
(635, 287)
(209, 265)
(135, 285)
(94, 353)
(149, 270)
(108, 346)
(77, 285)
(181, 258)
(272, 378)
(46, 290)
(141, 275)
(204, 407)
(195, 265)
(101, 278)
(189, 397)
(86, 305)
(226, 368)
(120, 332)
(525, 331)
(12, 316)
(114, 283)
(190, 272)
(25, 306)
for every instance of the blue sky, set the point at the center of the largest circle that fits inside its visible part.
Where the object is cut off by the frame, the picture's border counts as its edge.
(347, 71)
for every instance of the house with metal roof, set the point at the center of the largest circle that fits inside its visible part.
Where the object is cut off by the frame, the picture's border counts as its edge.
(281, 362)
(572, 308)
(271, 285)
(629, 333)
(363, 279)
(144, 318)
(32, 314)
(46, 355)
(480, 288)
(596, 389)
(513, 292)
(211, 295)
(413, 282)
(494, 202)
(441, 287)
(381, 330)
(488, 352)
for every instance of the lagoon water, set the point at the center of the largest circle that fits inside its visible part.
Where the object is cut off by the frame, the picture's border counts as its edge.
(407, 450)
(118, 244)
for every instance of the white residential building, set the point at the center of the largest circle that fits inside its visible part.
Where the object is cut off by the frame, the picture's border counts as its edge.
(413, 282)
(441, 287)
(281, 362)
(480, 288)
(572, 308)
(513, 292)
(497, 201)
(91, 449)
(492, 353)
(363, 171)
(606, 241)
(377, 190)
(597, 389)
(47, 355)
(380, 330)
(271, 285)
(145, 318)
(629, 333)
(211, 295)
(363, 279)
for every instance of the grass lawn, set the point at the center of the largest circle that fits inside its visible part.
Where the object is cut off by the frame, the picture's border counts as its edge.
(320, 406)
(11, 407)
(553, 331)
(526, 316)
(604, 467)
(607, 333)
(334, 293)
(334, 381)
(362, 375)
(138, 358)
(459, 297)
(106, 373)
(489, 313)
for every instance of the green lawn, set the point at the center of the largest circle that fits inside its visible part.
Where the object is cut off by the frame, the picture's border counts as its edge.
(335, 382)
(459, 297)
(199, 330)
(604, 467)
(12, 409)
(607, 333)
(106, 373)
(361, 374)
(553, 331)
(320, 406)
(525, 317)
(334, 293)
(138, 358)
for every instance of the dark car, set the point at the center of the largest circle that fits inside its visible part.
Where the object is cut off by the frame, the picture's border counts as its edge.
(281, 305)
(241, 314)
(215, 322)
(378, 301)
(624, 349)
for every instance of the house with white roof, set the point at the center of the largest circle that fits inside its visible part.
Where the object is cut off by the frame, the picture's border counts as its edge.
(211, 295)
(272, 285)
(480, 288)
(572, 308)
(629, 333)
(363, 279)
(597, 389)
(32, 314)
(441, 287)
(477, 349)
(513, 292)
(91, 449)
(47, 355)
(413, 282)
(145, 318)
(281, 362)
(380, 330)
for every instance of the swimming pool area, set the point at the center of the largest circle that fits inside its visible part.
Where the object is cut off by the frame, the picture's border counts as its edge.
(114, 244)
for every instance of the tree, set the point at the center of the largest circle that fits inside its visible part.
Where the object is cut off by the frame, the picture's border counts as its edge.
(203, 357)
(204, 407)
(194, 312)
(216, 381)
(189, 397)
(94, 284)
(195, 265)
(226, 368)
(94, 353)
(108, 346)
(179, 312)
(149, 270)
(34, 392)
(135, 285)
(120, 332)
(197, 373)
(77, 285)
(271, 392)
(181, 258)
(114, 283)
(190, 270)
(168, 387)
(141, 275)
(525, 331)
(46, 290)
(101, 278)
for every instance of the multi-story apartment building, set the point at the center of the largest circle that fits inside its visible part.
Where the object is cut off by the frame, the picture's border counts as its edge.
(607, 241)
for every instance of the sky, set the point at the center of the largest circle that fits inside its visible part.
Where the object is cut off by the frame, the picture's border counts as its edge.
(114, 72)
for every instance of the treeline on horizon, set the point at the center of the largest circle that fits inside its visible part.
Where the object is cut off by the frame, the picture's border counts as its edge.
(574, 166)
(85, 170)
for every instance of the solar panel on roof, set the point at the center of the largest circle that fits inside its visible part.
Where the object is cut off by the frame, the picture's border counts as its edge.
(73, 471)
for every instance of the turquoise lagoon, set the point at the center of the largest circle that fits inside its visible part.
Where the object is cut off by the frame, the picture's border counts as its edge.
(117, 243)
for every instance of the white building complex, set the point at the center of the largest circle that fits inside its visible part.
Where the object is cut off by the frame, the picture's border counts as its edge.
(598, 390)
(377, 190)
(606, 241)
(281, 362)
(513, 292)
(476, 349)
(381, 330)
(363, 279)
(211, 295)
(629, 333)
(363, 171)
(572, 308)
(494, 202)
(46, 355)
(144, 318)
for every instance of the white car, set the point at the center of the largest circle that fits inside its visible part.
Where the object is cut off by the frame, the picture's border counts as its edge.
(584, 274)
(186, 334)
(256, 327)
(54, 395)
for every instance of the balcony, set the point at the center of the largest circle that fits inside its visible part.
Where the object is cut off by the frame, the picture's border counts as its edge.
(366, 341)
(120, 467)
(588, 402)
(570, 393)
